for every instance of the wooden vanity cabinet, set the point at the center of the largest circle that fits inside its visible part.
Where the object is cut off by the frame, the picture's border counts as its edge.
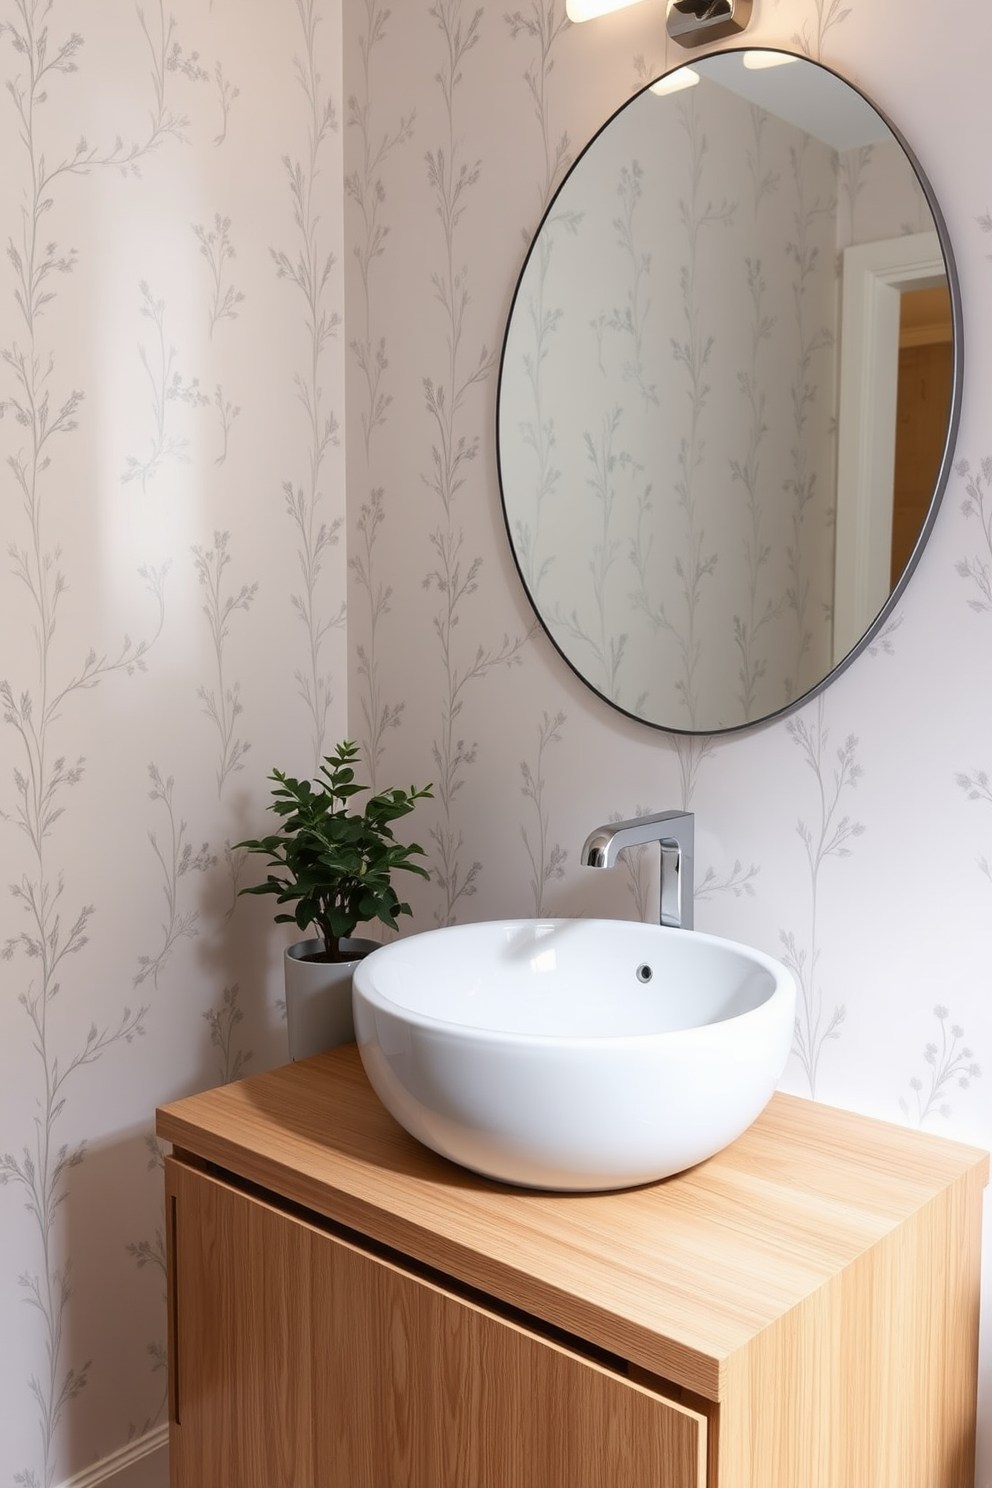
(304, 1359)
(348, 1310)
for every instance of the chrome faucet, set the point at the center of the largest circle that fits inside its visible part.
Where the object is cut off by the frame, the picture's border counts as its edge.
(674, 831)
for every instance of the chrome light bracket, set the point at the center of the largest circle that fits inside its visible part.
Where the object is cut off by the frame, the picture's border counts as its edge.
(693, 22)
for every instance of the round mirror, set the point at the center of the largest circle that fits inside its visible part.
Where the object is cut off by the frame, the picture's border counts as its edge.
(728, 392)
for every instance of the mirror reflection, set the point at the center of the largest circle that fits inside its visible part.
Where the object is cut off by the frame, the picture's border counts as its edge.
(739, 295)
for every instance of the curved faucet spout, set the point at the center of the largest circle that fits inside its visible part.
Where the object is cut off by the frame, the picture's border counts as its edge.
(674, 831)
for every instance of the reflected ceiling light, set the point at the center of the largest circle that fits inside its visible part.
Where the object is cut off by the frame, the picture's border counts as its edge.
(674, 82)
(757, 60)
(587, 10)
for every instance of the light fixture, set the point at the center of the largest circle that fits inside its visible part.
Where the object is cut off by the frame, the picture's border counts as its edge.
(757, 60)
(674, 82)
(587, 10)
(693, 22)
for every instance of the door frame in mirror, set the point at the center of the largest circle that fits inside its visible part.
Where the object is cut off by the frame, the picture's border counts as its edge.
(875, 275)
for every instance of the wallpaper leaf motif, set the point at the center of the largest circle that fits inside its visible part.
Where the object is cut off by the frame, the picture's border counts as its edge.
(227, 413)
(222, 705)
(747, 470)
(616, 479)
(544, 23)
(881, 644)
(150, 1253)
(168, 387)
(854, 168)
(977, 571)
(804, 482)
(167, 56)
(953, 1062)
(632, 321)
(825, 836)
(366, 188)
(175, 858)
(227, 92)
(218, 250)
(378, 713)
(37, 711)
(547, 859)
(692, 350)
(949, 1062)
(764, 179)
(308, 270)
(223, 1021)
(827, 14)
(691, 751)
(738, 881)
(454, 577)
(544, 26)
(977, 506)
(537, 432)
(609, 466)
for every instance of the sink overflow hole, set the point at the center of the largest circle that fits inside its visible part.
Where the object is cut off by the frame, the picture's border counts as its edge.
(644, 972)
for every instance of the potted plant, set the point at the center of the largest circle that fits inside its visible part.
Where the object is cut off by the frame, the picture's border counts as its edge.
(334, 867)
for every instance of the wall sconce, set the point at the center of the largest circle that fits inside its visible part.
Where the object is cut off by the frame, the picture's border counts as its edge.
(692, 22)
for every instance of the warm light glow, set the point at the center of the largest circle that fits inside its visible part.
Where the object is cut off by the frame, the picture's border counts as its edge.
(758, 60)
(674, 82)
(587, 10)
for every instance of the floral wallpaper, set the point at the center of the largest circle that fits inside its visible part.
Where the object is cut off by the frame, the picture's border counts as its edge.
(172, 508)
(258, 259)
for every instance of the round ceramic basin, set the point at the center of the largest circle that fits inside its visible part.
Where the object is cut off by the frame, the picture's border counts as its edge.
(573, 1054)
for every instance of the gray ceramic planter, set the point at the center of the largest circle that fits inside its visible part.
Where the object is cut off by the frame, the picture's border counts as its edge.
(318, 997)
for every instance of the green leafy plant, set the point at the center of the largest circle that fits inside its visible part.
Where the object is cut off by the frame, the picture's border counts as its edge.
(332, 864)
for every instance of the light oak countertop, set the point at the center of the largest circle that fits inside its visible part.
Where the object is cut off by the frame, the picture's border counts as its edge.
(676, 1276)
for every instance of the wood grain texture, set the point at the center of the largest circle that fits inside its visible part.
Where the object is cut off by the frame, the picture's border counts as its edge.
(240, 1343)
(679, 1277)
(417, 1388)
(871, 1379)
(304, 1362)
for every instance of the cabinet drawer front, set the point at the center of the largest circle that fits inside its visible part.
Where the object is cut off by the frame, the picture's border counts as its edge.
(415, 1387)
(300, 1360)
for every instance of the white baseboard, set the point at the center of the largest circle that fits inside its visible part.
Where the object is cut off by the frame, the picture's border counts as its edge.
(141, 1464)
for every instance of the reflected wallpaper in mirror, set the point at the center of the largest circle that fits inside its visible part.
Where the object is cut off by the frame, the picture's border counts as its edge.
(670, 393)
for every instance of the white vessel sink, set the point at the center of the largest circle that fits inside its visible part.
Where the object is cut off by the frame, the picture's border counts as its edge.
(573, 1054)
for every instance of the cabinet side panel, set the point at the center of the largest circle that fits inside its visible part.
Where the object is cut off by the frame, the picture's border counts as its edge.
(920, 1360)
(871, 1380)
(240, 1278)
(417, 1388)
